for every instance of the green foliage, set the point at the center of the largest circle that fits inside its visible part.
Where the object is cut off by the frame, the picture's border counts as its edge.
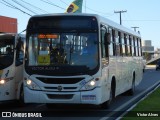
(149, 105)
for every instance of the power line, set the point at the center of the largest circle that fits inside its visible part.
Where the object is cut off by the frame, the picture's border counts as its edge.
(35, 7)
(50, 3)
(120, 17)
(23, 6)
(144, 20)
(97, 11)
(6, 5)
(64, 2)
(85, 6)
(14, 7)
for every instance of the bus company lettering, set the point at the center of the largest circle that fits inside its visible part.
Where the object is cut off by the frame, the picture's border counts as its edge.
(45, 68)
(89, 97)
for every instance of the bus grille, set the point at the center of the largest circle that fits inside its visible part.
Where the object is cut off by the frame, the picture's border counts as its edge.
(55, 96)
(60, 80)
(65, 88)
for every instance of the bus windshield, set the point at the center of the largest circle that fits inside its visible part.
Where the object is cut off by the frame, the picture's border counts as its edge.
(66, 47)
(6, 50)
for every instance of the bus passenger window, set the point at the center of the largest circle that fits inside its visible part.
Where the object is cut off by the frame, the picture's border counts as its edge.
(114, 42)
(117, 43)
(111, 45)
(120, 42)
(103, 44)
(123, 44)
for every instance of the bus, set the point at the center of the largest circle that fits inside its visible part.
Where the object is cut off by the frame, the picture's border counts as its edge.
(80, 59)
(11, 67)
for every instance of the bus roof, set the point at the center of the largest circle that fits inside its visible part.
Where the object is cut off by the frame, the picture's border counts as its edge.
(101, 19)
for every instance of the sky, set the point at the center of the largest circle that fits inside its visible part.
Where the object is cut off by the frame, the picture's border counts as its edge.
(140, 13)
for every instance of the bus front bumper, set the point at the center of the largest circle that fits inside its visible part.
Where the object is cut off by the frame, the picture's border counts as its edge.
(83, 97)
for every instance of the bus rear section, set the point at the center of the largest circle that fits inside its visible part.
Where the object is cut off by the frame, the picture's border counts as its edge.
(11, 68)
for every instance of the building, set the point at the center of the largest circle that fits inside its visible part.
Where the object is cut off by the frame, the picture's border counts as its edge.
(8, 25)
(157, 52)
(147, 49)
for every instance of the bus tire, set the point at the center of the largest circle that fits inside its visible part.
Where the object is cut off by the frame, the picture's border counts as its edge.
(132, 90)
(21, 97)
(106, 104)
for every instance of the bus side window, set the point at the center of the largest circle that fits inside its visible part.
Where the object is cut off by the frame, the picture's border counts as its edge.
(103, 44)
(111, 46)
(19, 52)
(123, 44)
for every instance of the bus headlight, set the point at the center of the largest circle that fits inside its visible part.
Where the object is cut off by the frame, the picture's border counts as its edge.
(2, 82)
(32, 85)
(89, 86)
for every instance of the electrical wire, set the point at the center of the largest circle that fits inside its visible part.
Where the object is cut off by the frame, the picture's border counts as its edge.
(108, 14)
(35, 7)
(23, 6)
(50, 3)
(64, 2)
(14, 7)
(6, 5)
(144, 20)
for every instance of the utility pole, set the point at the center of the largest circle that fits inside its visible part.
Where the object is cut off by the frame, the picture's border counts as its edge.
(135, 28)
(120, 12)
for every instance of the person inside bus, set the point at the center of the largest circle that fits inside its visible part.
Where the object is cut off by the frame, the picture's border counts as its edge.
(58, 54)
(9, 57)
(8, 51)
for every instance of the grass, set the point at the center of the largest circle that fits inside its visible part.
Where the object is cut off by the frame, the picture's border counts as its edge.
(149, 106)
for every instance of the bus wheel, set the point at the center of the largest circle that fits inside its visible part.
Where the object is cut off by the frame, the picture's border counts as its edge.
(106, 104)
(21, 97)
(132, 90)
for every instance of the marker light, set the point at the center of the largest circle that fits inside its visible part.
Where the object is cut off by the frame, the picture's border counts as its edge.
(2, 82)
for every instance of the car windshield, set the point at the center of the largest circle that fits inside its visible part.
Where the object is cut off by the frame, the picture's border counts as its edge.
(63, 49)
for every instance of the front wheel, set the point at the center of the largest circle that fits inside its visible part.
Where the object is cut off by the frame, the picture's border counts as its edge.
(106, 104)
(20, 102)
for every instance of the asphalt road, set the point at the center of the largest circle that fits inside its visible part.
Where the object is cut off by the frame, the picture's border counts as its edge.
(86, 112)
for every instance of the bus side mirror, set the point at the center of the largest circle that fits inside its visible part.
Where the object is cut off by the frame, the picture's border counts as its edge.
(107, 38)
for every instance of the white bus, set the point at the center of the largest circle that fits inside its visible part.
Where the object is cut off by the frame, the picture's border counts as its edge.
(79, 59)
(11, 67)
